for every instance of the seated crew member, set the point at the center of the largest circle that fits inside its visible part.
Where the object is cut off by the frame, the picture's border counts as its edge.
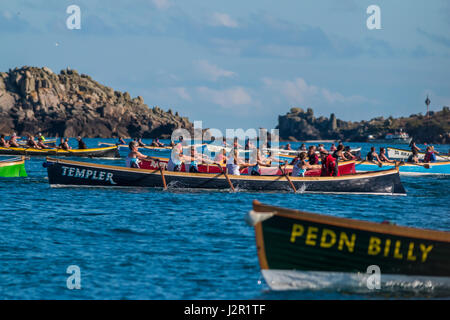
(159, 143)
(134, 157)
(300, 165)
(40, 135)
(176, 157)
(259, 160)
(13, 141)
(287, 147)
(121, 141)
(66, 144)
(3, 142)
(348, 154)
(339, 153)
(154, 144)
(333, 147)
(140, 143)
(31, 143)
(430, 155)
(41, 144)
(302, 147)
(233, 161)
(414, 149)
(372, 156)
(329, 165)
(383, 156)
(313, 158)
(193, 160)
(81, 144)
(61, 143)
(221, 157)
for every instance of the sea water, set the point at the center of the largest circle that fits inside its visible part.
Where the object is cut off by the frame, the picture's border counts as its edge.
(154, 244)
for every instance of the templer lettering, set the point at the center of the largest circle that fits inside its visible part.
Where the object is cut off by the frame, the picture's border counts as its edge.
(88, 174)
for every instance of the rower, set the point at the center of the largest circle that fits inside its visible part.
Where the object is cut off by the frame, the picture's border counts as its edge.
(233, 160)
(348, 154)
(288, 147)
(176, 157)
(81, 144)
(13, 141)
(3, 142)
(255, 170)
(313, 158)
(41, 143)
(429, 155)
(329, 165)
(333, 147)
(339, 154)
(302, 147)
(134, 157)
(221, 157)
(121, 141)
(372, 156)
(31, 143)
(160, 144)
(193, 161)
(140, 143)
(383, 156)
(299, 165)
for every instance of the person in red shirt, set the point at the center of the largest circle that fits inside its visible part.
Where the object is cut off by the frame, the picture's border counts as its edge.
(329, 165)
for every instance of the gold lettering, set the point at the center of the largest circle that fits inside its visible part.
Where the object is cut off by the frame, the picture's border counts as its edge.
(410, 255)
(343, 238)
(297, 231)
(387, 246)
(374, 246)
(397, 253)
(311, 236)
(425, 251)
(323, 239)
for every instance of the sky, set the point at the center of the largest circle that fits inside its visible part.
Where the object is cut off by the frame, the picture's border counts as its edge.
(241, 64)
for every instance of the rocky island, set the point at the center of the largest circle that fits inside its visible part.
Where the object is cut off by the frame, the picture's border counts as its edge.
(69, 104)
(300, 125)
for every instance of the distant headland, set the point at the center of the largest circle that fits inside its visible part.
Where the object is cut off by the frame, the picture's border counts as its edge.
(69, 104)
(300, 125)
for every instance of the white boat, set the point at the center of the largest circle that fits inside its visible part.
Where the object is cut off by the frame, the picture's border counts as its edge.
(401, 154)
(397, 138)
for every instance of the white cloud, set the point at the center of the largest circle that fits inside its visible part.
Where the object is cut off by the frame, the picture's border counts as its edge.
(223, 20)
(213, 72)
(227, 98)
(161, 4)
(182, 93)
(299, 91)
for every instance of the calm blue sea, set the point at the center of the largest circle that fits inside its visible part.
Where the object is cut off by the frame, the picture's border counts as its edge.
(151, 244)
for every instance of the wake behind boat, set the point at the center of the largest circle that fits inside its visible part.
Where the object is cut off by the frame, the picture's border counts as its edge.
(108, 152)
(73, 173)
(300, 250)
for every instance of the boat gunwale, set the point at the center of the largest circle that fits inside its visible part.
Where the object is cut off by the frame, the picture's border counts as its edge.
(367, 226)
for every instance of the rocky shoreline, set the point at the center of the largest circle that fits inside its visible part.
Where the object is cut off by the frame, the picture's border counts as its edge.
(300, 125)
(69, 104)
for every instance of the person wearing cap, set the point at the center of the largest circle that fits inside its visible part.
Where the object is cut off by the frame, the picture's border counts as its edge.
(81, 144)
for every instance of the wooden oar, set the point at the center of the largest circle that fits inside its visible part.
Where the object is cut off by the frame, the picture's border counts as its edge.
(162, 175)
(226, 176)
(425, 165)
(287, 177)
